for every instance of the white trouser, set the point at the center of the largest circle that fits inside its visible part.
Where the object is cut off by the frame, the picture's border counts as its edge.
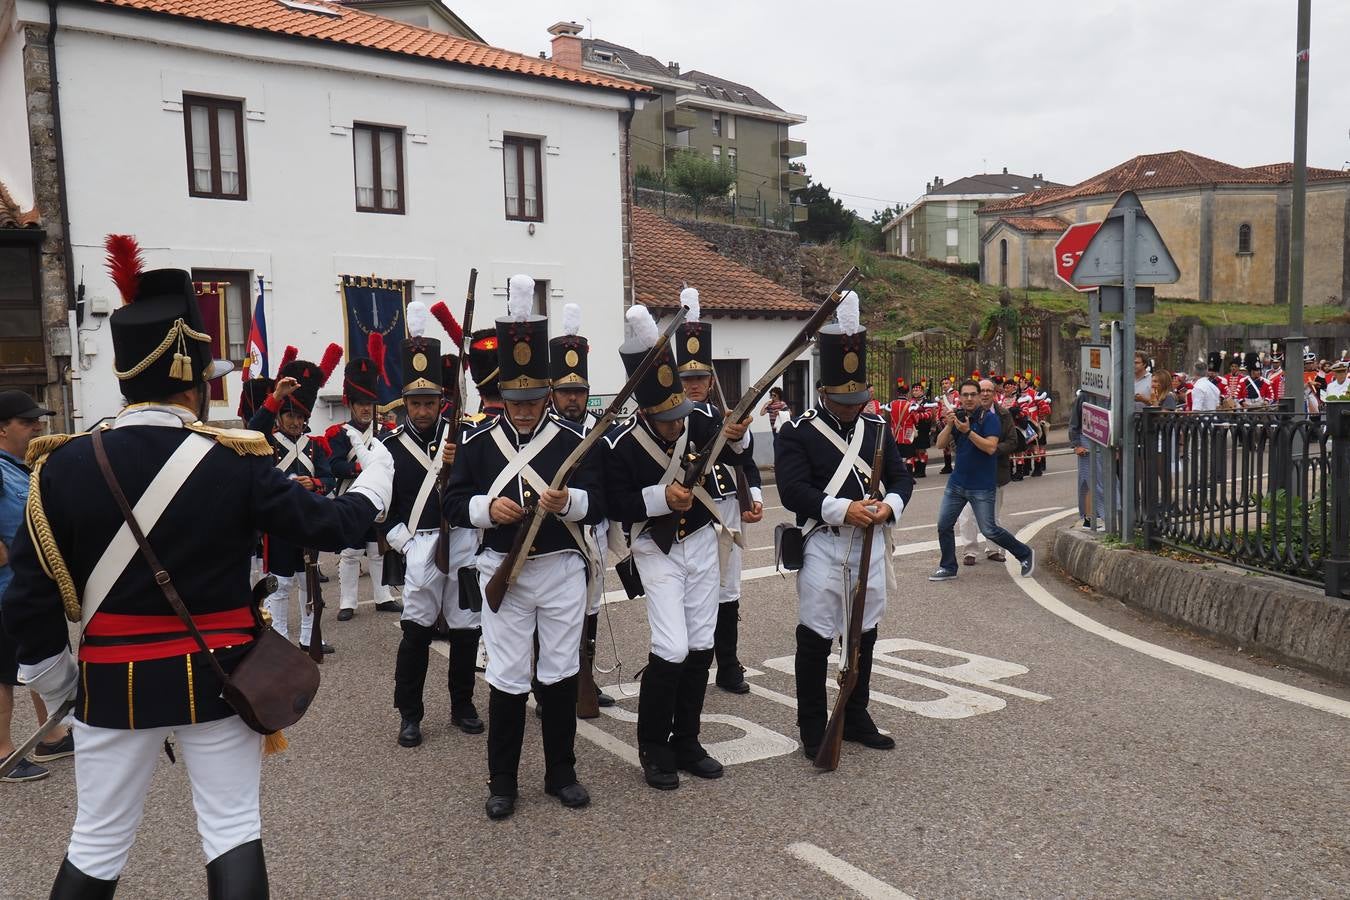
(112, 774)
(549, 596)
(730, 588)
(349, 571)
(429, 592)
(968, 537)
(279, 605)
(829, 574)
(681, 592)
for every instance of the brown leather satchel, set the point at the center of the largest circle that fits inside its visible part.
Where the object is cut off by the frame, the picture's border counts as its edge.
(275, 682)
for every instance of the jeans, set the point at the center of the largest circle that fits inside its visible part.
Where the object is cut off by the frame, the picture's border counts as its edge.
(954, 499)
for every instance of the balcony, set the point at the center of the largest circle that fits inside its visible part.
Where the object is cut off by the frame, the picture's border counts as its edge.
(799, 211)
(791, 149)
(681, 119)
(793, 181)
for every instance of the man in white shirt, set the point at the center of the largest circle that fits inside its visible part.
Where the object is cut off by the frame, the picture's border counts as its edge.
(1339, 385)
(1206, 393)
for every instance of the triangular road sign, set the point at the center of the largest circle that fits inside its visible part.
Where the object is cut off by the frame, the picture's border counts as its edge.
(1103, 261)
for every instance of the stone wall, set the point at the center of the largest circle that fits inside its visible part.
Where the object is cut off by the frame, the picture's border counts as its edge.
(771, 253)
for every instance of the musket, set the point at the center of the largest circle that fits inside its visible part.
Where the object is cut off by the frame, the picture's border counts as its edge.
(588, 699)
(827, 757)
(455, 405)
(509, 570)
(315, 590)
(662, 528)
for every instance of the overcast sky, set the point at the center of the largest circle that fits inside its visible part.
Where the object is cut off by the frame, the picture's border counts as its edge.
(896, 92)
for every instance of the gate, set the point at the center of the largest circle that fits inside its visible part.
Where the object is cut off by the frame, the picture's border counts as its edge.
(934, 360)
(1029, 347)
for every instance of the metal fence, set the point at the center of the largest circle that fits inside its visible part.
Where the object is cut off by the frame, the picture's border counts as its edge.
(1262, 490)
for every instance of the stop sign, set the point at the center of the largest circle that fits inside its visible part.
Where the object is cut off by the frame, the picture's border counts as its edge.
(1069, 249)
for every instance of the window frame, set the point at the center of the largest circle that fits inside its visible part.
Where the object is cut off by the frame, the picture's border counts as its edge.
(374, 131)
(213, 105)
(246, 281)
(1244, 230)
(30, 242)
(520, 142)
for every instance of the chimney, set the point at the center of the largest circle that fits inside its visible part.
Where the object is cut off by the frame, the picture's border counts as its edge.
(928, 188)
(1005, 170)
(674, 68)
(566, 44)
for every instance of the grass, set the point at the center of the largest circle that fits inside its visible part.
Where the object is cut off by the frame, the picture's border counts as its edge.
(901, 296)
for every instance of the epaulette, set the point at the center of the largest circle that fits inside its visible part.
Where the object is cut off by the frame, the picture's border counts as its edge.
(871, 417)
(240, 440)
(39, 447)
(481, 427)
(390, 435)
(473, 419)
(618, 430)
(794, 421)
(566, 423)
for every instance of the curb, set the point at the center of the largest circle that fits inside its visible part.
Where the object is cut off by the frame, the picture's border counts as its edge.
(1282, 619)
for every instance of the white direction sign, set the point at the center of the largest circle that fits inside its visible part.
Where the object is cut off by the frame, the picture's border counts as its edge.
(1095, 367)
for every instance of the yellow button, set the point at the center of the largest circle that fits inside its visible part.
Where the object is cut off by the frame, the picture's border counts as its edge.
(534, 549)
(681, 520)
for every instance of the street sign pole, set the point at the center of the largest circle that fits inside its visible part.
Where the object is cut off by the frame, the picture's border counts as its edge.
(1096, 455)
(1126, 398)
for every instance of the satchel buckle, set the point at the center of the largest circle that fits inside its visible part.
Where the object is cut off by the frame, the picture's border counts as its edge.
(162, 578)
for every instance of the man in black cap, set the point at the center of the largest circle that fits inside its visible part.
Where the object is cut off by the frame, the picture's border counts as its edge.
(20, 422)
(504, 468)
(420, 448)
(697, 377)
(359, 384)
(284, 418)
(484, 370)
(199, 495)
(823, 459)
(641, 466)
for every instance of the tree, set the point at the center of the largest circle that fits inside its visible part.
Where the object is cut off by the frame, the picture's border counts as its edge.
(826, 218)
(699, 178)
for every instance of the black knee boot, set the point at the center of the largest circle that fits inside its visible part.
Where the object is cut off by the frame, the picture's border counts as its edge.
(921, 468)
(560, 736)
(810, 665)
(238, 874)
(410, 675)
(730, 672)
(463, 654)
(693, 687)
(505, 733)
(72, 884)
(858, 724)
(656, 719)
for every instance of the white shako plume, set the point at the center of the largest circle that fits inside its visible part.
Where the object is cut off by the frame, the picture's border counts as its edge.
(519, 297)
(571, 319)
(848, 314)
(640, 328)
(689, 298)
(417, 319)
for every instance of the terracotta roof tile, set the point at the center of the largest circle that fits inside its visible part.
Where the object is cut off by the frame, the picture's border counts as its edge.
(665, 257)
(1036, 223)
(13, 217)
(352, 27)
(1151, 171)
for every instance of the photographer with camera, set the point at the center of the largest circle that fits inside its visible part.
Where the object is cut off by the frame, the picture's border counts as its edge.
(974, 433)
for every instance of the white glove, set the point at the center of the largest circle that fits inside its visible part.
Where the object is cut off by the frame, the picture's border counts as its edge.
(55, 679)
(376, 480)
(398, 537)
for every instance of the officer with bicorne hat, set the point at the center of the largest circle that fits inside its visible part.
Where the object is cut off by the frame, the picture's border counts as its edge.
(199, 494)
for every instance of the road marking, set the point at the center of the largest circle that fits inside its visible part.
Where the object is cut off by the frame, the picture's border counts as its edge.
(1267, 686)
(845, 873)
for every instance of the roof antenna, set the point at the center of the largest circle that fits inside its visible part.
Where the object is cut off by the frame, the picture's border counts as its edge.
(590, 27)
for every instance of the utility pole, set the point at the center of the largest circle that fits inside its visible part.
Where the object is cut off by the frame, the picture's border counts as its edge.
(1296, 339)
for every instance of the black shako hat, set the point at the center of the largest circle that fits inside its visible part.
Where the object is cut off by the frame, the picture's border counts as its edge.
(160, 345)
(843, 355)
(694, 339)
(522, 345)
(483, 360)
(252, 395)
(567, 353)
(1215, 361)
(361, 376)
(311, 376)
(659, 394)
(421, 355)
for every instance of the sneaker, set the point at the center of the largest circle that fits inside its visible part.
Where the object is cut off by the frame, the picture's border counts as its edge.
(1029, 564)
(45, 752)
(1087, 523)
(970, 559)
(26, 770)
(942, 575)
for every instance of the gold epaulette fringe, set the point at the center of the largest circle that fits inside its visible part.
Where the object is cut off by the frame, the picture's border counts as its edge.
(41, 446)
(240, 440)
(40, 530)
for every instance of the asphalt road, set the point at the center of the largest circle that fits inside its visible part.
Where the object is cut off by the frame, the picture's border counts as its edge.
(1036, 758)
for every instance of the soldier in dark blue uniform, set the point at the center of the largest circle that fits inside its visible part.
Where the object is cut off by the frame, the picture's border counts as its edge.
(503, 469)
(641, 468)
(200, 495)
(284, 418)
(823, 459)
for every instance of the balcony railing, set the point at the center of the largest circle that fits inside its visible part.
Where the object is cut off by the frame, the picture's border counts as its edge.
(791, 148)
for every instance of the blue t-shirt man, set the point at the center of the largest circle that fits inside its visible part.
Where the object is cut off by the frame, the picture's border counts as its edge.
(976, 470)
(13, 495)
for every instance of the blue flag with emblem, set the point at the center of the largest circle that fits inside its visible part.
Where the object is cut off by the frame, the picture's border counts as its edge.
(377, 305)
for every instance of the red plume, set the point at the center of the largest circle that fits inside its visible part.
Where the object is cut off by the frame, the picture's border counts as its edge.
(375, 349)
(287, 357)
(331, 357)
(124, 264)
(449, 323)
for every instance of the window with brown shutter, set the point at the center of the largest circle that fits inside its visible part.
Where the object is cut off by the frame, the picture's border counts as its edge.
(377, 154)
(523, 174)
(215, 147)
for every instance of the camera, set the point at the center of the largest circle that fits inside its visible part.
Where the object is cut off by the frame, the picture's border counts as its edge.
(962, 415)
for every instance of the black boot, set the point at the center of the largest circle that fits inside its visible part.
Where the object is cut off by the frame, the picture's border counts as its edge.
(410, 675)
(921, 469)
(656, 717)
(730, 672)
(946, 462)
(858, 724)
(689, 753)
(1038, 469)
(506, 732)
(810, 665)
(72, 884)
(238, 874)
(463, 654)
(559, 727)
